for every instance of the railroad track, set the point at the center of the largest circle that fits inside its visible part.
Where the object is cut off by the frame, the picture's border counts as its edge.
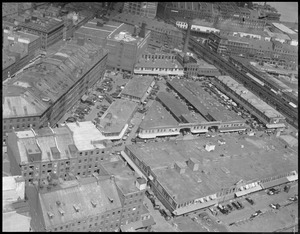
(266, 94)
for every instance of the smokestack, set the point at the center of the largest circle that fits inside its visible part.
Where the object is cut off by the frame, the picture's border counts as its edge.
(143, 31)
(187, 38)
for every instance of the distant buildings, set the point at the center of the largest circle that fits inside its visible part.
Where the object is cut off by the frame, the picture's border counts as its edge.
(191, 175)
(272, 52)
(12, 9)
(161, 32)
(18, 49)
(45, 91)
(193, 67)
(123, 42)
(138, 88)
(143, 9)
(15, 210)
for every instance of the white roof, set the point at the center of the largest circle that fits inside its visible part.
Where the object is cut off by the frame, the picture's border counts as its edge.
(83, 135)
(284, 28)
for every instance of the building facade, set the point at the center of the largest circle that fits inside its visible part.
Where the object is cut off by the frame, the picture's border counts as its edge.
(70, 72)
(143, 9)
(35, 154)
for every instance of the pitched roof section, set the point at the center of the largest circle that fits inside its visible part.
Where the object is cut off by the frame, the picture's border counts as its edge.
(32, 91)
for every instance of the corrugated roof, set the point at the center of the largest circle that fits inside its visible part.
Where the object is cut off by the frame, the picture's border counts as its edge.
(50, 78)
(138, 86)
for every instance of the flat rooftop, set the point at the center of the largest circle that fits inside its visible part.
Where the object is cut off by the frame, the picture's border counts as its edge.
(249, 97)
(138, 86)
(124, 176)
(86, 135)
(81, 194)
(258, 158)
(158, 116)
(117, 115)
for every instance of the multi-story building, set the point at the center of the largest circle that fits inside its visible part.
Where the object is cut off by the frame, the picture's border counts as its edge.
(143, 9)
(46, 90)
(161, 32)
(273, 52)
(18, 49)
(138, 88)
(195, 67)
(67, 151)
(15, 209)
(37, 23)
(131, 189)
(265, 113)
(83, 204)
(13, 8)
(267, 12)
(122, 41)
(185, 180)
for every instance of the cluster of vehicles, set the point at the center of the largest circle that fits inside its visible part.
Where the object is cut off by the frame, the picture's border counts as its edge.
(226, 209)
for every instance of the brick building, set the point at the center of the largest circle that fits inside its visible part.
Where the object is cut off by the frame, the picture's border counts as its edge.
(47, 90)
(74, 149)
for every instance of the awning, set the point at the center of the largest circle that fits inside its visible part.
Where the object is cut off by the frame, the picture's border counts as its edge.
(247, 191)
(232, 129)
(195, 206)
(280, 125)
(274, 183)
(131, 163)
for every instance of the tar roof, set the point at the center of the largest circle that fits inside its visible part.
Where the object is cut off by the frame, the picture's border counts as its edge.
(82, 195)
(250, 97)
(44, 24)
(124, 176)
(31, 92)
(176, 107)
(138, 86)
(117, 115)
(158, 116)
(86, 135)
(214, 172)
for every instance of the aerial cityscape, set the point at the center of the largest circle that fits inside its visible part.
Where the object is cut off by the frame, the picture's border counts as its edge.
(150, 117)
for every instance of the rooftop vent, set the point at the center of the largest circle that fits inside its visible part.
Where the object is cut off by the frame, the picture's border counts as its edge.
(50, 214)
(94, 204)
(76, 208)
(58, 203)
(61, 211)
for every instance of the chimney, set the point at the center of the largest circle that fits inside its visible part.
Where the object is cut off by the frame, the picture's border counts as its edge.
(179, 167)
(187, 38)
(143, 30)
(193, 164)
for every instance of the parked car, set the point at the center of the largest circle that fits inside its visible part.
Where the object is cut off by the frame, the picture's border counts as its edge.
(229, 207)
(257, 213)
(293, 198)
(249, 200)
(275, 206)
(240, 204)
(235, 206)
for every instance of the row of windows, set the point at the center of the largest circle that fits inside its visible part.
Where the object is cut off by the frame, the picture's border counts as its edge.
(23, 126)
(19, 120)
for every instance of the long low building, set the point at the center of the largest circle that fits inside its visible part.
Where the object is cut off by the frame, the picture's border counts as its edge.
(190, 175)
(138, 88)
(267, 114)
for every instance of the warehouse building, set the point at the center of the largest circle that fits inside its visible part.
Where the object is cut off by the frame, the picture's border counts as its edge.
(47, 90)
(143, 9)
(190, 175)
